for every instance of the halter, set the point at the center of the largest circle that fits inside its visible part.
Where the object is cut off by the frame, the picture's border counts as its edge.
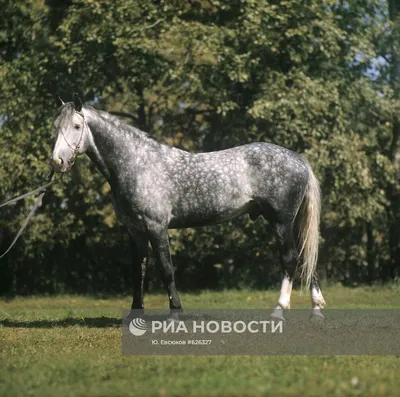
(75, 149)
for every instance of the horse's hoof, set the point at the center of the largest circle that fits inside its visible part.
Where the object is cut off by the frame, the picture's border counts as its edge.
(172, 319)
(277, 315)
(316, 315)
(127, 320)
(134, 313)
(174, 315)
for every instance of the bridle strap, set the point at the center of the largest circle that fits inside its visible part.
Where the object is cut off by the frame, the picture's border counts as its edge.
(75, 150)
(38, 202)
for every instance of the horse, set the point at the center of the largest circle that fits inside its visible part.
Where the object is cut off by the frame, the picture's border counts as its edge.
(156, 187)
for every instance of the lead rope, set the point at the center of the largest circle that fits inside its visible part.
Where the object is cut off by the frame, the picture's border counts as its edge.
(38, 202)
(43, 188)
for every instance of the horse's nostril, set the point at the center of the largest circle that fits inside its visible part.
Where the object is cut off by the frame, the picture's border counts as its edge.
(57, 161)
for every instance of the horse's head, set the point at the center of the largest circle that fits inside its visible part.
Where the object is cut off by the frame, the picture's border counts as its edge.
(71, 135)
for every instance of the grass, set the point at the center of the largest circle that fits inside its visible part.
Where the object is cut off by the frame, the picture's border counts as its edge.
(71, 346)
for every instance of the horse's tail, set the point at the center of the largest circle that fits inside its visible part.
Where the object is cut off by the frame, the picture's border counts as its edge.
(308, 218)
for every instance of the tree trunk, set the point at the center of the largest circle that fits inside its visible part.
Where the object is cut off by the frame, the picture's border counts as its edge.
(370, 253)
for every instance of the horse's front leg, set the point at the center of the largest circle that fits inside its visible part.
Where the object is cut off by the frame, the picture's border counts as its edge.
(140, 245)
(158, 236)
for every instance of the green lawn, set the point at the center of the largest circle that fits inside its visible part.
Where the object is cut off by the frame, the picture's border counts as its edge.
(71, 346)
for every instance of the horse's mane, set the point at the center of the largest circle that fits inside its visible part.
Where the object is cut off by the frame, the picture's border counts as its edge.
(65, 112)
(120, 125)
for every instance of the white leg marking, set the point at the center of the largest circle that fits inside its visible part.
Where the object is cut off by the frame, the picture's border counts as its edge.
(286, 291)
(317, 300)
(284, 299)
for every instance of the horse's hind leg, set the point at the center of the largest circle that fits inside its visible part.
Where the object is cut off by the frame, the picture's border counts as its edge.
(317, 300)
(288, 257)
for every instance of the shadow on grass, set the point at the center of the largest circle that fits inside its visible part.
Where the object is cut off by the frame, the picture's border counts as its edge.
(91, 322)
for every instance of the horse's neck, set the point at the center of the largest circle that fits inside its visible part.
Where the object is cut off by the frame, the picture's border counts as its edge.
(110, 141)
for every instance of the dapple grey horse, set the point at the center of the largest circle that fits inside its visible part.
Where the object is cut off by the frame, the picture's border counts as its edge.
(156, 187)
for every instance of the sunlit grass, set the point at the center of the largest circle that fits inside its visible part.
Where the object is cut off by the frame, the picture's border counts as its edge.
(71, 346)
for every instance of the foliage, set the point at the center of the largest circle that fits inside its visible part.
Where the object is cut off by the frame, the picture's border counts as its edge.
(202, 75)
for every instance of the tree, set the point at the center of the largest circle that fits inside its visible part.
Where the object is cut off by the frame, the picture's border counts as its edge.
(202, 75)
(394, 151)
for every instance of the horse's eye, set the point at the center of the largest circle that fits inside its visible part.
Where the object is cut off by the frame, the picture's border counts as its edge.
(77, 126)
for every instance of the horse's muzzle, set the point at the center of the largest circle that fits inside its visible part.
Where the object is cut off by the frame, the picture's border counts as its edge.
(58, 164)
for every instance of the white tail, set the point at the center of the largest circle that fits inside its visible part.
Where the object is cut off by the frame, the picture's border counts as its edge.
(309, 215)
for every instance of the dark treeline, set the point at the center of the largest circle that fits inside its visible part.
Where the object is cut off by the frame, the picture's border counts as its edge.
(319, 77)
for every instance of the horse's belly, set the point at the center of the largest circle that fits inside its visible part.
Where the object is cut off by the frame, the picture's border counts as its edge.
(196, 217)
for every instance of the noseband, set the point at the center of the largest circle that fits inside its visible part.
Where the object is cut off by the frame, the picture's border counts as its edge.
(75, 149)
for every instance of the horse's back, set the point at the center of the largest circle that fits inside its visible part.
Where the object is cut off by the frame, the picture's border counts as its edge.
(258, 161)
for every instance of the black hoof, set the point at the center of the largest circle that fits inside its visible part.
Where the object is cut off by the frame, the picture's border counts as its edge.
(134, 313)
(174, 315)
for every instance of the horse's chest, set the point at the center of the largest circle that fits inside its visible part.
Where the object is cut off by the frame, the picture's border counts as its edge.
(125, 215)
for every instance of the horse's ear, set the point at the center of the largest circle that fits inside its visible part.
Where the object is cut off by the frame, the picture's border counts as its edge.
(59, 101)
(77, 102)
